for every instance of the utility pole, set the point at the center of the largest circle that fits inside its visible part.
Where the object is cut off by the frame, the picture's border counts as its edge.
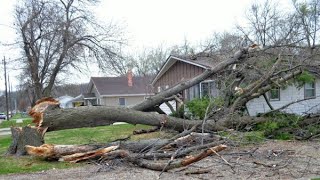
(5, 84)
(9, 96)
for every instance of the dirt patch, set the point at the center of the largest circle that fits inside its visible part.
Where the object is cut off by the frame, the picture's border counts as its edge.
(270, 160)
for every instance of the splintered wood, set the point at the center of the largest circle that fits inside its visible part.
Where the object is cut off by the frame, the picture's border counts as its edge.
(41, 105)
(70, 153)
(75, 153)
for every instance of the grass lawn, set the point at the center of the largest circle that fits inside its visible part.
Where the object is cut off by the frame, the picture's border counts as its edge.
(13, 122)
(101, 134)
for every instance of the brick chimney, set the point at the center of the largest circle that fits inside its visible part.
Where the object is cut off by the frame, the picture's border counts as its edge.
(129, 75)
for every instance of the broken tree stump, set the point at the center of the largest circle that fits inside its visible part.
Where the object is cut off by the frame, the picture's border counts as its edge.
(25, 136)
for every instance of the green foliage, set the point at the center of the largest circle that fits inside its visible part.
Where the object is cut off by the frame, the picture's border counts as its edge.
(283, 136)
(198, 106)
(304, 77)
(277, 124)
(254, 136)
(268, 127)
(179, 113)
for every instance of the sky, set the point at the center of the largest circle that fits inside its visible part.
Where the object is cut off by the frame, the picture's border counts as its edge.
(148, 23)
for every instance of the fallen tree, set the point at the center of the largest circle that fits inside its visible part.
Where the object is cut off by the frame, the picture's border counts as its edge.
(59, 119)
(139, 153)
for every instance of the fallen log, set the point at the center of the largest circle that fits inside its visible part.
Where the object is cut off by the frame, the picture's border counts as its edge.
(145, 131)
(60, 119)
(51, 151)
(178, 163)
(87, 155)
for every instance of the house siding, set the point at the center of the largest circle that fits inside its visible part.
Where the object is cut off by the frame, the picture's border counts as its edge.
(288, 95)
(176, 73)
(166, 109)
(114, 101)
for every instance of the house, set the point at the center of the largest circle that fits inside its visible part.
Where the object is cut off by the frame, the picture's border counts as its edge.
(65, 101)
(119, 91)
(84, 99)
(178, 69)
(307, 97)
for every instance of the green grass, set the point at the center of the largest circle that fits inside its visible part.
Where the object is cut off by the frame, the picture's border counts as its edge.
(12, 122)
(103, 134)
(12, 164)
(91, 135)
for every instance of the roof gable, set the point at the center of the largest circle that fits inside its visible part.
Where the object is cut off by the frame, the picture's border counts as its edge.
(108, 86)
(202, 62)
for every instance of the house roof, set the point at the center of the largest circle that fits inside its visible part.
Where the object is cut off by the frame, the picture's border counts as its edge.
(201, 60)
(110, 86)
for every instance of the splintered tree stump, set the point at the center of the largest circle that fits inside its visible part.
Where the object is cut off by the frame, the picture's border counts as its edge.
(25, 136)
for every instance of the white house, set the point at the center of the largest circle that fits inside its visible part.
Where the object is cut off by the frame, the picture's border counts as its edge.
(281, 97)
(65, 101)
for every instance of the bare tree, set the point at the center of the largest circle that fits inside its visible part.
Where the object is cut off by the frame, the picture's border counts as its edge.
(150, 61)
(60, 34)
(307, 14)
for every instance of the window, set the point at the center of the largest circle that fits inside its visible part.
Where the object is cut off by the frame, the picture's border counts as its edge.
(309, 90)
(274, 94)
(193, 92)
(208, 89)
(122, 101)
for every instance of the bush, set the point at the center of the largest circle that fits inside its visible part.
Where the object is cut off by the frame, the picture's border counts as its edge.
(198, 107)
(179, 113)
(254, 136)
(283, 136)
(278, 124)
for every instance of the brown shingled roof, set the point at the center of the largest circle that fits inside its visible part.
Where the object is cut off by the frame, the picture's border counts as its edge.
(119, 85)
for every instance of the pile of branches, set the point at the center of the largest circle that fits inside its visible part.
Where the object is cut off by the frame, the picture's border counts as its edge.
(156, 154)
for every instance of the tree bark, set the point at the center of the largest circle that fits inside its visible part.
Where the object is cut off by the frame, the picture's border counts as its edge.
(175, 164)
(25, 136)
(161, 97)
(103, 115)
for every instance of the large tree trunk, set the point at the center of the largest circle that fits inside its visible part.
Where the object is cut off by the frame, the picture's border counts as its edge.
(160, 98)
(25, 136)
(103, 115)
(59, 119)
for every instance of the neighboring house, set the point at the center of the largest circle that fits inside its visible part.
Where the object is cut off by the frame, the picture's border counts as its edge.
(84, 99)
(119, 91)
(280, 97)
(65, 101)
(177, 69)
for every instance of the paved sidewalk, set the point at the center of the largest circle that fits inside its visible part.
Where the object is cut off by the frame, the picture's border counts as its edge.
(5, 131)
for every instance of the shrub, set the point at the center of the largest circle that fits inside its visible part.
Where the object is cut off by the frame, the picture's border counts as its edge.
(254, 136)
(283, 136)
(198, 106)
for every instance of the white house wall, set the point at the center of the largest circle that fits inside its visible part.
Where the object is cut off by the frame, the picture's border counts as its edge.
(288, 95)
(166, 109)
